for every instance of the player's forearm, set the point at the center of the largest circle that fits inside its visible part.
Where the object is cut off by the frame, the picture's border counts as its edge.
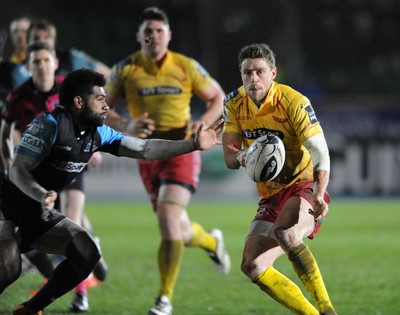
(214, 97)
(321, 180)
(211, 115)
(5, 156)
(233, 153)
(7, 145)
(154, 149)
(24, 180)
(213, 112)
(232, 160)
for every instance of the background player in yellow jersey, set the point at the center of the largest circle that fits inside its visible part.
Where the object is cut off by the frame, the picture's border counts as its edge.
(18, 34)
(158, 85)
(292, 206)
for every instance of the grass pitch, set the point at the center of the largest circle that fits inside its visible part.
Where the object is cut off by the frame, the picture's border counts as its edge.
(357, 250)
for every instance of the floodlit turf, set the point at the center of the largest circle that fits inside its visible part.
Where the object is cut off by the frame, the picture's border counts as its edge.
(357, 249)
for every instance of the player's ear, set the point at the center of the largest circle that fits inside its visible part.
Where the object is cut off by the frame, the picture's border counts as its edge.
(78, 102)
(56, 63)
(274, 72)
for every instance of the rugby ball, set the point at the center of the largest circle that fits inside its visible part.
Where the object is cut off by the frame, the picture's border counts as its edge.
(265, 158)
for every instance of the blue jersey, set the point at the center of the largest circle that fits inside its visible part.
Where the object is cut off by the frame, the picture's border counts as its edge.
(55, 141)
(64, 151)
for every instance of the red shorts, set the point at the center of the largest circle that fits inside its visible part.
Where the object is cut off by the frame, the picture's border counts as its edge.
(269, 209)
(184, 169)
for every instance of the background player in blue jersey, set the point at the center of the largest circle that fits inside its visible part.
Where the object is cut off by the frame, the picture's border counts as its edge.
(54, 149)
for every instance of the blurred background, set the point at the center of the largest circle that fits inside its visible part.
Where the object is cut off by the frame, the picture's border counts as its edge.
(343, 54)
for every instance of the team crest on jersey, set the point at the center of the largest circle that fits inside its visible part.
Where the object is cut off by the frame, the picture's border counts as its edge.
(35, 128)
(259, 132)
(160, 90)
(311, 114)
(90, 147)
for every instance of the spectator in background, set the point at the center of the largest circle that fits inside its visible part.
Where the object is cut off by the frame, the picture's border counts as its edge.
(294, 204)
(18, 34)
(158, 85)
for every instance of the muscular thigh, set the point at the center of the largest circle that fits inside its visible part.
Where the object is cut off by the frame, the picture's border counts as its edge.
(56, 239)
(7, 230)
(295, 220)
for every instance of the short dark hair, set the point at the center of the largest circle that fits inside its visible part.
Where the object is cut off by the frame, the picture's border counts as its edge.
(153, 13)
(44, 25)
(79, 83)
(39, 46)
(254, 51)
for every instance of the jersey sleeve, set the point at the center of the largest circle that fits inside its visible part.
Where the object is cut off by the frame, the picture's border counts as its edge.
(201, 78)
(39, 137)
(110, 139)
(79, 60)
(231, 124)
(114, 85)
(304, 119)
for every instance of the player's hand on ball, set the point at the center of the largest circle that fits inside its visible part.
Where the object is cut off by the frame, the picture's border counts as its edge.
(141, 127)
(48, 202)
(207, 137)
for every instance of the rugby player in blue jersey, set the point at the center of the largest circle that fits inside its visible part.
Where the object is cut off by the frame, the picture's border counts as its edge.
(54, 149)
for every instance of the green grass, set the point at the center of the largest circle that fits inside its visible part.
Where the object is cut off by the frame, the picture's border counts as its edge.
(357, 250)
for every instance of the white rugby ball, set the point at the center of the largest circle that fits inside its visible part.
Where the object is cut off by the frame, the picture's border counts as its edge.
(265, 158)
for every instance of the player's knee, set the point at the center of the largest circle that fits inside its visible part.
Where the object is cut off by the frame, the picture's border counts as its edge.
(84, 251)
(248, 266)
(286, 238)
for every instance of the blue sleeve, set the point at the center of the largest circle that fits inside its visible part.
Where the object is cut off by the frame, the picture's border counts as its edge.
(38, 137)
(109, 136)
(19, 75)
(79, 60)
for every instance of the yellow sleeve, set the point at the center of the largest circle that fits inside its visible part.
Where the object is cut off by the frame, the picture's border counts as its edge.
(231, 124)
(200, 77)
(304, 119)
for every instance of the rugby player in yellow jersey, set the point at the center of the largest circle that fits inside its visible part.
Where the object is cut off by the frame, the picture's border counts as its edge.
(158, 85)
(292, 206)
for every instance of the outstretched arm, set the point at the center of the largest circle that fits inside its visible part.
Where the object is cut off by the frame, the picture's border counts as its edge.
(157, 149)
